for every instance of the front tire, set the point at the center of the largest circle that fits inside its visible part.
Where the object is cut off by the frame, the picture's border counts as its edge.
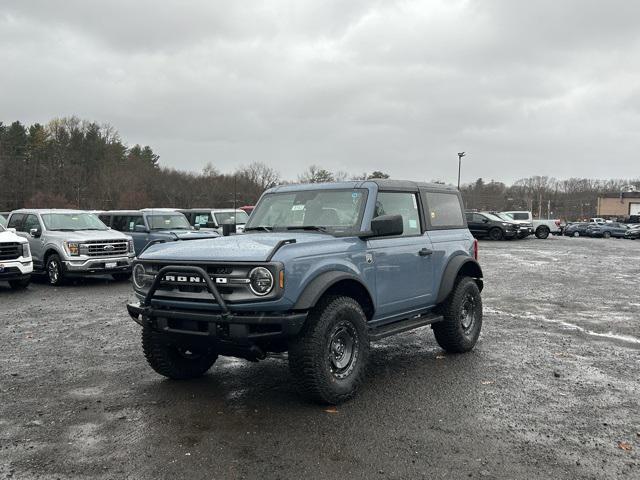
(496, 234)
(20, 284)
(172, 361)
(462, 311)
(606, 235)
(543, 233)
(54, 269)
(328, 358)
(576, 234)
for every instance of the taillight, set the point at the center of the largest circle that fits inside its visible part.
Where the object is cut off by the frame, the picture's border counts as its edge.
(558, 223)
(475, 249)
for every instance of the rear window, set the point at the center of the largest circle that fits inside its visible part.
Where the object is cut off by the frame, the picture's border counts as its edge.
(444, 210)
(520, 216)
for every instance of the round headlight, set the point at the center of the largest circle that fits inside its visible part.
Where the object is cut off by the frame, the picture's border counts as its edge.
(140, 277)
(261, 281)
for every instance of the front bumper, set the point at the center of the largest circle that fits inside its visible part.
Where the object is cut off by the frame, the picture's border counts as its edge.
(99, 265)
(242, 328)
(510, 233)
(15, 270)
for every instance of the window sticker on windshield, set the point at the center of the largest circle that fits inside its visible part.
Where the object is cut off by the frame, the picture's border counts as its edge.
(433, 214)
(413, 224)
(297, 207)
(355, 195)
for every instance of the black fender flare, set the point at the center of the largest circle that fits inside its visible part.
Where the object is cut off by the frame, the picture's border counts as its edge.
(451, 271)
(319, 285)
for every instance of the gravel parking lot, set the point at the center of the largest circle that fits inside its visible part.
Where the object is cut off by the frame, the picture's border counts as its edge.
(551, 391)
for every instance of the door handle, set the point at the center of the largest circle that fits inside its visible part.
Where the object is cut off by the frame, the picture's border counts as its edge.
(425, 252)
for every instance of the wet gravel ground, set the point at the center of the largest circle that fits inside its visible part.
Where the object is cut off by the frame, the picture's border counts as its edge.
(551, 391)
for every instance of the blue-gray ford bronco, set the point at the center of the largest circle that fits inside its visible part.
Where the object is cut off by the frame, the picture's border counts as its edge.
(320, 271)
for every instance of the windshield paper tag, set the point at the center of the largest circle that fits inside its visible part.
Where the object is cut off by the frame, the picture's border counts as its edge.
(297, 207)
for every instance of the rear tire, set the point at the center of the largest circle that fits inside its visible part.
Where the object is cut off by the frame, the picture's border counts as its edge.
(576, 234)
(20, 284)
(496, 234)
(543, 233)
(328, 358)
(54, 270)
(606, 235)
(462, 311)
(178, 363)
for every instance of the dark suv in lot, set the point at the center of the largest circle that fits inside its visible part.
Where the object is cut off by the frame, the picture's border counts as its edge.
(156, 225)
(320, 271)
(488, 225)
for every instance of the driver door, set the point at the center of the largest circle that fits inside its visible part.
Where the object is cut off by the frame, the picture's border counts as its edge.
(403, 263)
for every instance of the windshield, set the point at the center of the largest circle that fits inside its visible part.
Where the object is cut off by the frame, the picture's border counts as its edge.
(331, 210)
(2, 229)
(240, 218)
(3, 222)
(491, 216)
(170, 221)
(72, 221)
(504, 216)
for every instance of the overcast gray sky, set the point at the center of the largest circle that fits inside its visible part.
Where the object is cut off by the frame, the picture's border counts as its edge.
(525, 88)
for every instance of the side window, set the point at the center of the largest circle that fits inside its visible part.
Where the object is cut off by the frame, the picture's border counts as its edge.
(134, 220)
(16, 221)
(106, 219)
(30, 222)
(444, 210)
(477, 218)
(400, 203)
(119, 223)
(469, 217)
(202, 218)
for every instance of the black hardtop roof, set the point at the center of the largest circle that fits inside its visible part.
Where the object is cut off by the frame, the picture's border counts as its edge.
(382, 183)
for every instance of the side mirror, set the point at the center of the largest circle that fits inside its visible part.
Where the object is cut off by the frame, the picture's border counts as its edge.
(387, 226)
(35, 232)
(140, 229)
(196, 226)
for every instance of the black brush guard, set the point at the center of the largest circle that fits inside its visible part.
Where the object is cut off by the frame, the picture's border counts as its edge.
(241, 327)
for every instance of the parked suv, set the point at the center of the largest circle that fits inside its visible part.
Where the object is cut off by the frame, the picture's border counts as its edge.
(321, 270)
(215, 218)
(73, 242)
(488, 225)
(15, 259)
(152, 225)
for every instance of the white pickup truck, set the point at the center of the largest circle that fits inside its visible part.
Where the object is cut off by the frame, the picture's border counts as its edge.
(15, 259)
(541, 228)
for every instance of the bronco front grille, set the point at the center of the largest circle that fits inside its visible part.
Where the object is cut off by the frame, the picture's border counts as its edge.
(10, 251)
(105, 248)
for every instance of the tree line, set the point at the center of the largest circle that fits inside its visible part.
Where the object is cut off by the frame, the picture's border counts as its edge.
(73, 163)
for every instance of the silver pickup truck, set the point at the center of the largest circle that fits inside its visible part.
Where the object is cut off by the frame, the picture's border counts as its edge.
(541, 228)
(73, 242)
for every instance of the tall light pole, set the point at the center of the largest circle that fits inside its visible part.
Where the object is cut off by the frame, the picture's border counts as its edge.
(460, 155)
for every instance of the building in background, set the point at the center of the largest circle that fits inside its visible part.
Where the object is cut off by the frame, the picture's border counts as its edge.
(620, 205)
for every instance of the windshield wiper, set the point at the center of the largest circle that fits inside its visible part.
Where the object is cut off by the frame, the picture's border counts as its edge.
(64, 229)
(261, 228)
(316, 228)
